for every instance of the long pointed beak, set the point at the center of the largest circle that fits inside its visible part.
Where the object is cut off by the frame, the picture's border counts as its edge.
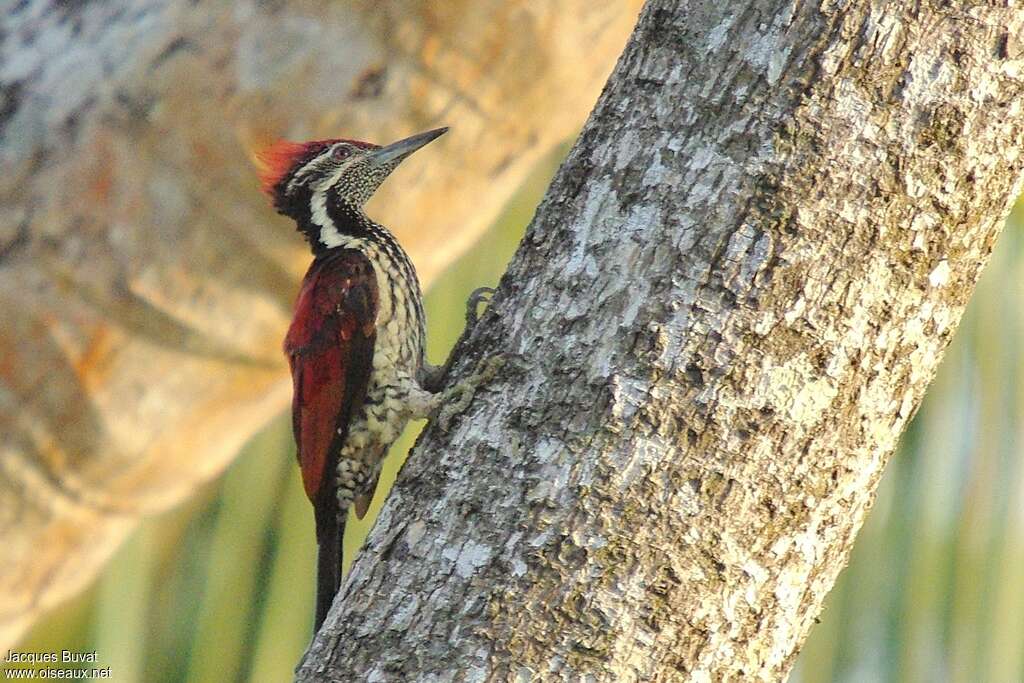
(397, 151)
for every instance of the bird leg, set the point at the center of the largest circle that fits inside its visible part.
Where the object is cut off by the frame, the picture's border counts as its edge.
(448, 402)
(476, 297)
(457, 398)
(433, 376)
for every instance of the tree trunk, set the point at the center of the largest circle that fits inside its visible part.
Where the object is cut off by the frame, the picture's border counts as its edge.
(144, 282)
(722, 317)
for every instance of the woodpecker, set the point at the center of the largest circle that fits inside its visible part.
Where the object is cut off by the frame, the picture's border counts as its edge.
(356, 342)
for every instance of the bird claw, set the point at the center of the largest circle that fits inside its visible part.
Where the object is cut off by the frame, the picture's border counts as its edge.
(480, 294)
(457, 398)
(432, 378)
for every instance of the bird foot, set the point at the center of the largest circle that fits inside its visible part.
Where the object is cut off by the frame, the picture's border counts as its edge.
(456, 399)
(478, 296)
(433, 376)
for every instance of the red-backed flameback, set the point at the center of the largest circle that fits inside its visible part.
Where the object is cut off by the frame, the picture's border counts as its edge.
(356, 342)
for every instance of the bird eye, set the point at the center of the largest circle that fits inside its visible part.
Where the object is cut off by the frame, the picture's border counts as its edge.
(339, 153)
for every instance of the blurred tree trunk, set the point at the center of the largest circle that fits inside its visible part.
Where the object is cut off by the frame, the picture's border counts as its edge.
(144, 282)
(722, 317)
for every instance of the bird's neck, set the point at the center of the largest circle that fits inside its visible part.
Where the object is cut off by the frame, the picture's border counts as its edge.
(330, 224)
(340, 225)
(345, 227)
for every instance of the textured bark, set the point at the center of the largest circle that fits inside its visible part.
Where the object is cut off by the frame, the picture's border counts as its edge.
(144, 282)
(722, 317)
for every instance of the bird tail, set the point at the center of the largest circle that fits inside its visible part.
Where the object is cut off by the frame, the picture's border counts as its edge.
(330, 530)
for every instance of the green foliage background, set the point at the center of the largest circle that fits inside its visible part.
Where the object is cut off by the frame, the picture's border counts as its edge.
(221, 589)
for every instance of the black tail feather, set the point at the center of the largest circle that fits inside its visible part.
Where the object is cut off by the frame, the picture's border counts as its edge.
(329, 534)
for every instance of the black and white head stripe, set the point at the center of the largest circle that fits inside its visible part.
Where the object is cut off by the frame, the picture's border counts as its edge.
(327, 164)
(323, 184)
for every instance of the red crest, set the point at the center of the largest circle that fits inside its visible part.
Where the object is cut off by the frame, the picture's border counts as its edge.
(274, 161)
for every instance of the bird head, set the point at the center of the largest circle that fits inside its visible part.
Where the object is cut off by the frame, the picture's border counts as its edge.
(324, 183)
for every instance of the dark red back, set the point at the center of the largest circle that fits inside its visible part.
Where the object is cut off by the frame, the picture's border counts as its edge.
(330, 350)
